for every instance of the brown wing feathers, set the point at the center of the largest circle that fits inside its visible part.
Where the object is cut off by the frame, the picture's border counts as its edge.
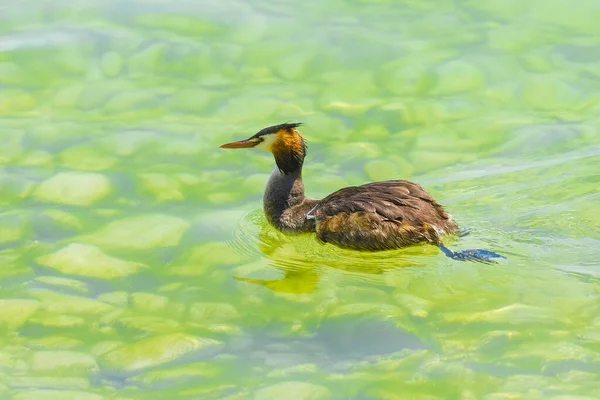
(381, 215)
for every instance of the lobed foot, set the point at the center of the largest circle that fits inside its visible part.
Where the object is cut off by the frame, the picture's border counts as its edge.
(475, 255)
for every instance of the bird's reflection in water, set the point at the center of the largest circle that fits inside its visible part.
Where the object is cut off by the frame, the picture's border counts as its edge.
(303, 259)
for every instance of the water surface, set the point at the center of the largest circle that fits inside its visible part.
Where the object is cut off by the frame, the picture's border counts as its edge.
(136, 262)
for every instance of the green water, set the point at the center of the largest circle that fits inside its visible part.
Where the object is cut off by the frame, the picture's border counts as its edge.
(135, 262)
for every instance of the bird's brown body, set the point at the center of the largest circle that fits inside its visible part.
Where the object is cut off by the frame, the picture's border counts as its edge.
(376, 216)
(381, 216)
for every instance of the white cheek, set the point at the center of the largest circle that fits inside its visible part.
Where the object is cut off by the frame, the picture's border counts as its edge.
(266, 144)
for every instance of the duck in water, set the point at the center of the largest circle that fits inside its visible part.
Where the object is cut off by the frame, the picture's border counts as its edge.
(376, 216)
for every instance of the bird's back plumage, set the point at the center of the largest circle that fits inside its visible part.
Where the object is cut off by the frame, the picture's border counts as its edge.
(381, 216)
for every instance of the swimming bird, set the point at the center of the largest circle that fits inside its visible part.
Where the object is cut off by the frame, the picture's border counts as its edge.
(376, 216)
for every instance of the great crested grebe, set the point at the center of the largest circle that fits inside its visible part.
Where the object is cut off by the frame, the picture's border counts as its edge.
(376, 216)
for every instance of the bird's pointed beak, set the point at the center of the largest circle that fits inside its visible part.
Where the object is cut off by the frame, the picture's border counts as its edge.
(242, 144)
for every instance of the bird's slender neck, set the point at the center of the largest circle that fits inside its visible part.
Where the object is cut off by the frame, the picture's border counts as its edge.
(285, 205)
(283, 191)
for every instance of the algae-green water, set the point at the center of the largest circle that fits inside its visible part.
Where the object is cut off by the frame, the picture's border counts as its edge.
(136, 263)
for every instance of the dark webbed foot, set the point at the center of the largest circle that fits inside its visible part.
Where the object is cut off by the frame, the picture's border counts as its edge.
(476, 255)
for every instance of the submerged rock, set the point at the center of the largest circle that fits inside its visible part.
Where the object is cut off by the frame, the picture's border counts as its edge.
(56, 321)
(164, 187)
(292, 390)
(514, 314)
(111, 64)
(57, 383)
(149, 324)
(140, 233)
(63, 361)
(64, 219)
(56, 395)
(14, 227)
(63, 283)
(16, 311)
(457, 76)
(119, 299)
(74, 188)
(203, 258)
(50, 342)
(149, 302)
(87, 158)
(213, 312)
(58, 304)
(90, 261)
(156, 351)
(177, 375)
